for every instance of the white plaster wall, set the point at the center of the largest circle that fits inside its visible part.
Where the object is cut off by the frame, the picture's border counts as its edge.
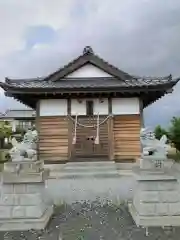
(53, 107)
(88, 70)
(122, 106)
(78, 107)
(101, 106)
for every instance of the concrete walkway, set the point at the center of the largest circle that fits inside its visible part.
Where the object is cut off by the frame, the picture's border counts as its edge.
(89, 181)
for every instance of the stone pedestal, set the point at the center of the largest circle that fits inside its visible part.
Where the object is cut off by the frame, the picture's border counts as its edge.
(23, 201)
(157, 199)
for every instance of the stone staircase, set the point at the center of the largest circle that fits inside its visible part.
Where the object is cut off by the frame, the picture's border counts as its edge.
(79, 170)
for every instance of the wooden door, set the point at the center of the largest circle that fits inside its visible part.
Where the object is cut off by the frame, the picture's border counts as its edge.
(85, 140)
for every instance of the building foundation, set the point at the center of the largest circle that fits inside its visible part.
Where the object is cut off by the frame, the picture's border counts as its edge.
(156, 202)
(24, 204)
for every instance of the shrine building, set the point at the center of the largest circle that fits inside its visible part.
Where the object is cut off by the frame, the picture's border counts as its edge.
(88, 109)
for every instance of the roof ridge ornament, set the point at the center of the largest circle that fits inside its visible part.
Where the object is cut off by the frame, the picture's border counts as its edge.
(88, 50)
(7, 80)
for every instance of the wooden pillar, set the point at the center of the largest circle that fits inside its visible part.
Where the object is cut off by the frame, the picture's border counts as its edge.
(111, 138)
(141, 112)
(110, 131)
(37, 126)
(70, 131)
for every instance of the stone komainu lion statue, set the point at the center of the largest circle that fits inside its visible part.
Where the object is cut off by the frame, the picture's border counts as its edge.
(25, 150)
(153, 146)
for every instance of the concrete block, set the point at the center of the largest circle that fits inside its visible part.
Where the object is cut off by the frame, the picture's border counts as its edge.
(35, 211)
(149, 196)
(35, 188)
(136, 200)
(24, 224)
(162, 209)
(146, 209)
(5, 211)
(153, 221)
(147, 186)
(158, 185)
(19, 188)
(18, 212)
(174, 209)
(7, 199)
(167, 185)
(30, 199)
(8, 188)
(169, 196)
(24, 177)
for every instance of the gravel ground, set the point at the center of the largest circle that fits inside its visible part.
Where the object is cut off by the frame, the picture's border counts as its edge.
(92, 221)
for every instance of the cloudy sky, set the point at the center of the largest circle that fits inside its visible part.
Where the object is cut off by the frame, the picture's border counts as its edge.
(141, 37)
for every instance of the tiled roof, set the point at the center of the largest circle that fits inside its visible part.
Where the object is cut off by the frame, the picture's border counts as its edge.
(19, 113)
(58, 80)
(72, 83)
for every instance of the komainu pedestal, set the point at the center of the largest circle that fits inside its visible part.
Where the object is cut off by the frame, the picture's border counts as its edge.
(23, 200)
(157, 199)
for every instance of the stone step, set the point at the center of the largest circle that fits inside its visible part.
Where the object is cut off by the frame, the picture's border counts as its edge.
(77, 175)
(89, 170)
(89, 167)
(90, 174)
(126, 166)
(80, 165)
(89, 164)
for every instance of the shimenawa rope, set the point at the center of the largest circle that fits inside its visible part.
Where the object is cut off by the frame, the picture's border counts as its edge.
(89, 126)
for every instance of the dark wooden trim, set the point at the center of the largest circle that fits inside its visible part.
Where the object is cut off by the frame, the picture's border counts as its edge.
(69, 106)
(55, 161)
(125, 160)
(110, 105)
(24, 118)
(37, 126)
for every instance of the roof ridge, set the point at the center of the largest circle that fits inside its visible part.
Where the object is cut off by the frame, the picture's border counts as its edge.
(64, 66)
(10, 80)
(88, 56)
(168, 77)
(112, 66)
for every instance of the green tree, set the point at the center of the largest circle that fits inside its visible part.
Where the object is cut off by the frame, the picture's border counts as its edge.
(159, 132)
(174, 132)
(5, 132)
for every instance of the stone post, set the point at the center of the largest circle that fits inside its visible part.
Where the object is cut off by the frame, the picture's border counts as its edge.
(23, 199)
(157, 199)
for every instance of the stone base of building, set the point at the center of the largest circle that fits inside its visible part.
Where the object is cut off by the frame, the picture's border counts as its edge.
(26, 224)
(156, 202)
(153, 221)
(24, 203)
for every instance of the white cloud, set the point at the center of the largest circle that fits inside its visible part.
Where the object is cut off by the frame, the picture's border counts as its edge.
(17, 15)
(139, 36)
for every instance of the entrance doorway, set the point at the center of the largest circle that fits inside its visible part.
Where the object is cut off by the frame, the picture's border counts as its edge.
(85, 146)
